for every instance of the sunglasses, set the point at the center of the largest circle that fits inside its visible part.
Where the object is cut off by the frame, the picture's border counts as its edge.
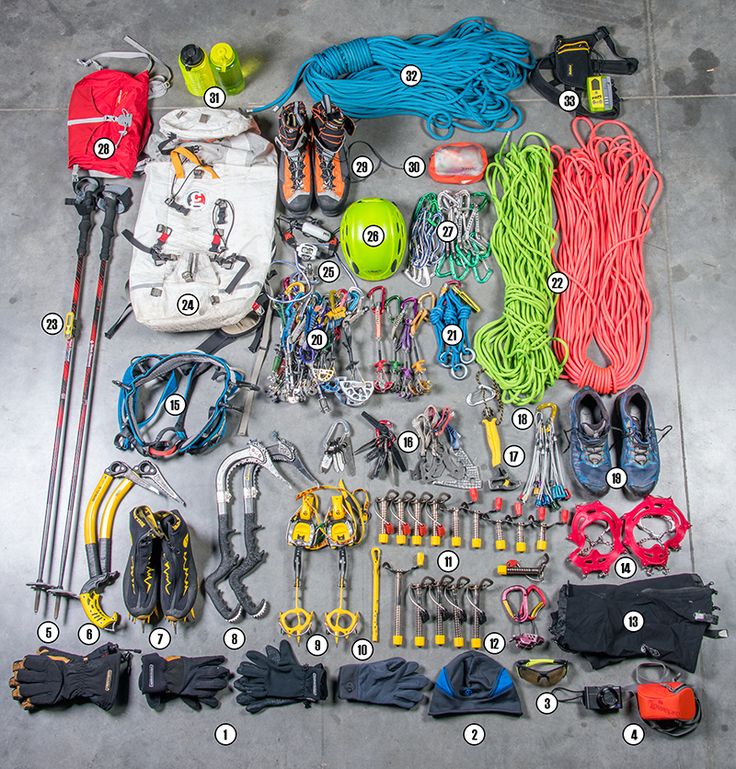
(541, 672)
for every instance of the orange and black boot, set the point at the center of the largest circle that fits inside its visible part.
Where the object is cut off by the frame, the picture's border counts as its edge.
(295, 160)
(331, 174)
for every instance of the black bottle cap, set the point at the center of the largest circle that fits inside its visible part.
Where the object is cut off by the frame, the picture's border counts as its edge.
(191, 55)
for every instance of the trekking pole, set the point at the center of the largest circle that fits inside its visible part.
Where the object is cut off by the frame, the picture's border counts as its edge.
(112, 200)
(85, 201)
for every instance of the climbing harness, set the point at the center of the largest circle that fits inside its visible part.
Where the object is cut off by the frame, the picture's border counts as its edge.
(98, 534)
(449, 318)
(531, 601)
(253, 457)
(515, 350)
(172, 374)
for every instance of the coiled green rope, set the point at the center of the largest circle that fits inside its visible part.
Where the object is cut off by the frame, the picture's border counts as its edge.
(515, 350)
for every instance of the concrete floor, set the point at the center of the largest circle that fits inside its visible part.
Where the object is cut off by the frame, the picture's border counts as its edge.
(681, 105)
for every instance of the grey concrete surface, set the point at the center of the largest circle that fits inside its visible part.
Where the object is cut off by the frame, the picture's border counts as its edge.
(682, 109)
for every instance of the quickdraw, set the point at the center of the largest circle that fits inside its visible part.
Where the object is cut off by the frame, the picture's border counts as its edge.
(449, 317)
(527, 611)
(173, 374)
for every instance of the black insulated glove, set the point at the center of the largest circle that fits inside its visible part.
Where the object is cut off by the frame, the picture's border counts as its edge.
(276, 678)
(195, 680)
(388, 682)
(55, 677)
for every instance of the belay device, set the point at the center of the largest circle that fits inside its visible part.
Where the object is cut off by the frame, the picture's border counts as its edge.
(575, 66)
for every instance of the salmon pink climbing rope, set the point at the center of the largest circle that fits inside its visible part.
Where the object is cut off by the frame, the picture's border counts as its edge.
(604, 192)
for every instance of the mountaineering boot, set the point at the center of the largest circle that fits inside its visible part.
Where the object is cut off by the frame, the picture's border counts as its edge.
(331, 173)
(141, 580)
(295, 159)
(179, 585)
(639, 452)
(590, 454)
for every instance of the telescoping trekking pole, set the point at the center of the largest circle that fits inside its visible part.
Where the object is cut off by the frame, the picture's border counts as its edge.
(86, 191)
(112, 200)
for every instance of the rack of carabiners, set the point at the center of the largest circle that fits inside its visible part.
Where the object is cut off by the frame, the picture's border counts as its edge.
(341, 526)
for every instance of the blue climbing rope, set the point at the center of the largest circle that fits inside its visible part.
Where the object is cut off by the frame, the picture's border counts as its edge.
(466, 73)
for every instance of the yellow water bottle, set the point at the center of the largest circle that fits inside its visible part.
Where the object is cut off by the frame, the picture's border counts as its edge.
(226, 65)
(196, 70)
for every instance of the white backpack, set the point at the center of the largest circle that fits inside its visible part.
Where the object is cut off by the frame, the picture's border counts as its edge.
(204, 233)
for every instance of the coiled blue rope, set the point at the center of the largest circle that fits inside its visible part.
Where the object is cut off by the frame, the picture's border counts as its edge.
(466, 74)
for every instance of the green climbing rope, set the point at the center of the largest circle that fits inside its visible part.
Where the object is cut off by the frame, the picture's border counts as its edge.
(515, 350)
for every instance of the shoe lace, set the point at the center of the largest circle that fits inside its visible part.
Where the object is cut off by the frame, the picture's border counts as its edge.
(296, 168)
(326, 168)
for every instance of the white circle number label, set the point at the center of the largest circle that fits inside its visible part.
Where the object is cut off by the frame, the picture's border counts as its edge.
(447, 231)
(633, 734)
(88, 634)
(52, 323)
(226, 734)
(362, 649)
(328, 271)
(522, 419)
(104, 148)
(159, 638)
(448, 560)
(569, 101)
(47, 632)
(362, 166)
(633, 621)
(408, 441)
(175, 404)
(214, 97)
(317, 339)
(547, 703)
(558, 282)
(616, 478)
(414, 166)
(452, 334)
(187, 304)
(234, 638)
(317, 645)
(373, 235)
(514, 456)
(625, 567)
(411, 75)
(474, 734)
(494, 643)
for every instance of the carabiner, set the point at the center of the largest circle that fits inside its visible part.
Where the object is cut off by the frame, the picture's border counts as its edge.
(379, 306)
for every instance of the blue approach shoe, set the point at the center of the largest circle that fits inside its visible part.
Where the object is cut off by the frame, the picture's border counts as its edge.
(589, 451)
(638, 452)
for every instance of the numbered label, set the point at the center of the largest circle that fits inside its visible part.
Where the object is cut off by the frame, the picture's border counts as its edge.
(234, 638)
(187, 304)
(362, 166)
(411, 75)
(447, 231)
(408, 441)
(226, 734)
(494, 643)
(159, 638)
(317, 339)
(474, 734)
(633, 734)
(48, 632)
(104, 148)
(328, 271)
(448, 561)
(52, 323)
(633, 621)
(625, 567)
(88, 634)
(214, 97)
(175, 404)
(373, 235)
(547, 703)
(558, 282)
(522, 419)
(569, 101)
(317, 645)
(616, 478)
(514, 456)
(414, 166)
(452, 334)
(362, 649)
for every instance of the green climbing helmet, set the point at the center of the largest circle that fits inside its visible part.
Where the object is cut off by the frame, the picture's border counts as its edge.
(373, 238)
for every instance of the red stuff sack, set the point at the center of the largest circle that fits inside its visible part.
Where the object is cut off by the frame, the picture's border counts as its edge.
(109, 104)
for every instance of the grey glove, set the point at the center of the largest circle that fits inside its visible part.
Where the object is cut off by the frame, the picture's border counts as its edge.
(388, 682)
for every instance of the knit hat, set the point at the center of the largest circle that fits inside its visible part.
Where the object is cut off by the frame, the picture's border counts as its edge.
(474, 683)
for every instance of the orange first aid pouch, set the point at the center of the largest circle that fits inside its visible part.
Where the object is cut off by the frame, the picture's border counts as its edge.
(668, 701)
